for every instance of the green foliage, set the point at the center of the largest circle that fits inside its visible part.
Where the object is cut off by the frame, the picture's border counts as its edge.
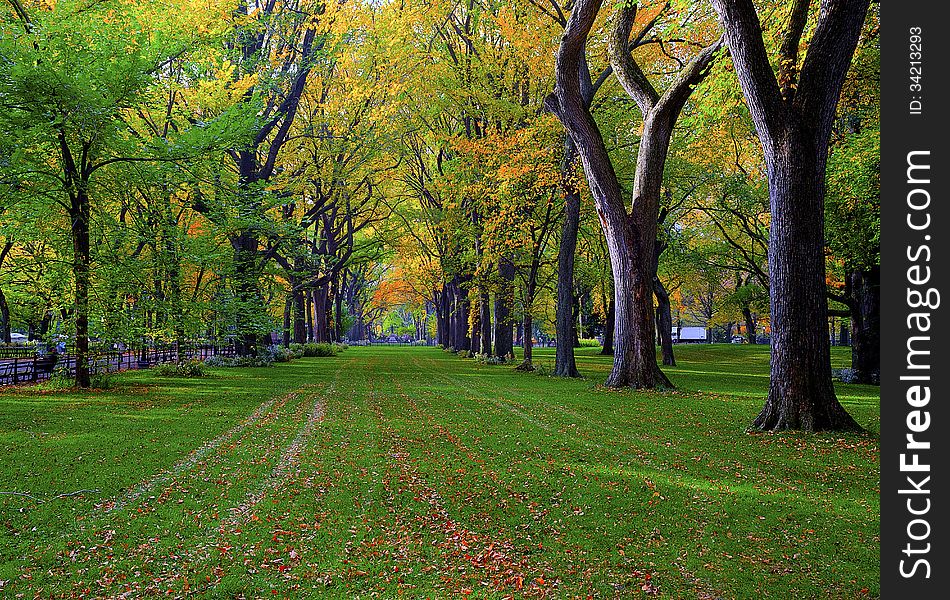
(589, 343)
(488, 359)
(186, 368)
(101, 381)
(853, 200)
(239, 361)
(322, 349)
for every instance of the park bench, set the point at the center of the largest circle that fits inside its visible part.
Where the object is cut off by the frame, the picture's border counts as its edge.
(44, 365)
(20, 370)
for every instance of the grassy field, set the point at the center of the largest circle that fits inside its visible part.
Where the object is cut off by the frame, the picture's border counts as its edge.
(409, 472)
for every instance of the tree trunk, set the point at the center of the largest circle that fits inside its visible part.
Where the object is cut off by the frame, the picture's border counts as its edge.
(6, 327)
(504, 298)
(338, 309)
(308, 307)
(460, 311)
(865, 289)
(608, 349)
(801, 393)
(332, 293)
(484, 322)
(438, 303)
(249, 302)
(575, 320)
(634, 326)
(844, 338)
(288, 318)
(664, 321)
(79, 216)
(630, 236)
(750, 326)
(565, 364)
(6, 330)
(299, 310)
(528, 347)
(320, 301)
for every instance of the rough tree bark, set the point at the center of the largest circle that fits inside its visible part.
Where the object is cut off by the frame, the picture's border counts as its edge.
(664, 322)
(484, 322)
(793, 116)
(504, 300)
(458, 305)
(288, 313)
(865, 289)
(608, 348)
(79, 213)
(750, 329)
(630, 236)
(575, 321)
(565, 364)
(664, 310)
(321, 298)
(6, 329)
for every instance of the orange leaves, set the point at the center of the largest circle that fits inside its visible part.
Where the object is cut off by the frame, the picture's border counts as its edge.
(513, 176)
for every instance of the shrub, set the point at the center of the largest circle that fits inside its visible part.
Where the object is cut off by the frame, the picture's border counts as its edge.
(186, 368)
(276, 353)
(322, 349)
(238, 361)
(100, 381)
(217, 361)
(464, 353)
(488, 359)
(57, 382)
(589, 343)
(296, 350)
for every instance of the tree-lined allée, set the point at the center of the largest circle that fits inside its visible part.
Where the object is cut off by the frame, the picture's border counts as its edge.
(490, 176)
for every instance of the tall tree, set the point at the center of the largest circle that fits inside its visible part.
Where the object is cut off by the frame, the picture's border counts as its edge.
(74, 108)
(793, 114)
(631, 236)
(274, 50)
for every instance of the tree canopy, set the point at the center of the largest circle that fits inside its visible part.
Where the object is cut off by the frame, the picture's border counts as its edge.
(484, 174)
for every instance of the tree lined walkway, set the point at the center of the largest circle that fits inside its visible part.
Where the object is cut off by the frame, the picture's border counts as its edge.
(413, 471)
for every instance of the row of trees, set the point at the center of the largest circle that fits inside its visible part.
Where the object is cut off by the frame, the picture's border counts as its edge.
(230, 168)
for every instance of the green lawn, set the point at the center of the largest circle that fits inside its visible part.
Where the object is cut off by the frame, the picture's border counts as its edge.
(410, 472)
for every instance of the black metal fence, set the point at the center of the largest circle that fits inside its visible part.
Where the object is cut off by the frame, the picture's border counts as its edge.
(35, 367)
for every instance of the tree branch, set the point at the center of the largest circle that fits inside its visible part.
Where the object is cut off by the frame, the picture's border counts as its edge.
(628, 72)
(788, 53)
(743, 33)
(829, 54)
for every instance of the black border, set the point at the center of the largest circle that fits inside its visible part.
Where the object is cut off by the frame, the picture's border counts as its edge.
(903, 132)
